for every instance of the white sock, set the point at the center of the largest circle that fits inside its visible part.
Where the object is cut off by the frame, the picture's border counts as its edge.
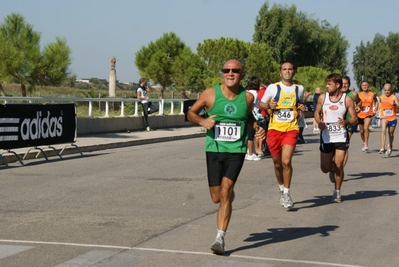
(337, 192)
(221, 234)
(286, 190)
(281, 187)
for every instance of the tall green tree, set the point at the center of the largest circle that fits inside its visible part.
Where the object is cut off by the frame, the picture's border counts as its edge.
(155, 61)
(52, 68)
(295, 37)
(373, 62)
(393, 43)
(215, 52)
(312, 77)
(22, 60)
(260, 63)
(20, 49)
(360, 63)
(188, 69)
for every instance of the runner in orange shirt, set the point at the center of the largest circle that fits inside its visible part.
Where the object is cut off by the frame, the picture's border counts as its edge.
(369, 105)
(388, 105)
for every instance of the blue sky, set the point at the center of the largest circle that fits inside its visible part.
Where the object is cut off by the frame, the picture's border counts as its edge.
(97, 30)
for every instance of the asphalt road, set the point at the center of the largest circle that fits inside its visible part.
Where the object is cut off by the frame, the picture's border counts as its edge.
(150, 206)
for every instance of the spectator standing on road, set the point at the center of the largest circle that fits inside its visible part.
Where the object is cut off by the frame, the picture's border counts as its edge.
(229, 107)
(334, 104)
(316, 95)
(368, 106)
(388, 105)
(282, 101)
(253, 87)
(148, 106)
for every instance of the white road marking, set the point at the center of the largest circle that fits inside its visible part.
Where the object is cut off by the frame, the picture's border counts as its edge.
(104, 258)
(9, 250)
(89, 258)
(179, 252)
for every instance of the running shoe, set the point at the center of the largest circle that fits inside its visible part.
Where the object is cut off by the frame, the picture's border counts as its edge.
(281, 198)
(218, 246)
(365, 148)
(336, 198)
(388, 152)
(252, 157)
(287, 201)
(382, 151)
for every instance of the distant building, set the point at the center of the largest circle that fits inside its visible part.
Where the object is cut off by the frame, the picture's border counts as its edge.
(84, 80)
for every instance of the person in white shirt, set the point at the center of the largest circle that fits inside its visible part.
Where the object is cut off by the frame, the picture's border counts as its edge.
(282, 101)
(252, 87)
(148, 106)
(334, 141)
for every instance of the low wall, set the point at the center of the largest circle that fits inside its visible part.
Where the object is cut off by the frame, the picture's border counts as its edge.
(93, 125)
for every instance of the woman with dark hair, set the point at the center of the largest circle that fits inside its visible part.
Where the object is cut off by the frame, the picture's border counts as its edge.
(148, 106)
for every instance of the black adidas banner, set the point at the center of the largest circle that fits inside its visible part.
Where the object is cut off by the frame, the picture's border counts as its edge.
(30, 125)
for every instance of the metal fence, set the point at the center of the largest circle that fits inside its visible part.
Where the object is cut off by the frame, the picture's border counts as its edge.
(171, 104)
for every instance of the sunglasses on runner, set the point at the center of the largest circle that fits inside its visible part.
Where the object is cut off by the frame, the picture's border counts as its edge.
(233, 70)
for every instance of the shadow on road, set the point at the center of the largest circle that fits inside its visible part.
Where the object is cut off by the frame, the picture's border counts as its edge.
(324, 200)
(363, 175)
(275, 235)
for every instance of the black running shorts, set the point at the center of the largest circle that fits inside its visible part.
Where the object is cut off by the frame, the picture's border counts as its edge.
(221, 165)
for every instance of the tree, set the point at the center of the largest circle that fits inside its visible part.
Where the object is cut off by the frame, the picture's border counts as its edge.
(52, 68)
(20, 49)
(359, 63)
(155, 61)
(311, 77)
(22, 60)
(374, 62)
(215, 52)
(393, 43)
(187, 69)
(260, 63)
(293, 36)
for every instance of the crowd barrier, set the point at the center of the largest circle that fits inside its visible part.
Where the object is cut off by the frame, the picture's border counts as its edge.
(35, 125)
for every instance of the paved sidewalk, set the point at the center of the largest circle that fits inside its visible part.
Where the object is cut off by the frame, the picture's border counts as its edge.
(89, 143)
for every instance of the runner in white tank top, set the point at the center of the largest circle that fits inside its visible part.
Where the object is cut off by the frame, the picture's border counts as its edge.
(332, 112)
(330, 115)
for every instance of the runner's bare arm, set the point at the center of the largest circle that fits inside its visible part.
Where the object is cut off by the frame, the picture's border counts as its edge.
(317, 112)
(205, 100)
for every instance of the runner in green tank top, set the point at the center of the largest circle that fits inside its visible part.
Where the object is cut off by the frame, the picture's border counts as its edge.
(229, 109)
(346, 82)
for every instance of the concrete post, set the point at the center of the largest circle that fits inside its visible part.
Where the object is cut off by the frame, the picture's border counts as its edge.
(112, 78)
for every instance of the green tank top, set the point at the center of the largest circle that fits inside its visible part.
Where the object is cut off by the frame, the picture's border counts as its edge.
(230, 131)
(350, 94)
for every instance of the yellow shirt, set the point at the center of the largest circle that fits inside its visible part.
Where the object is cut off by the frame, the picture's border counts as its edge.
(285, 117)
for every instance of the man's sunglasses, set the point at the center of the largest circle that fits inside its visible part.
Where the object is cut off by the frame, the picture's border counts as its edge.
(233, 70)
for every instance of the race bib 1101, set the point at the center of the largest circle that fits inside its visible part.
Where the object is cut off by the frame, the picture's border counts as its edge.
(227, 131)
